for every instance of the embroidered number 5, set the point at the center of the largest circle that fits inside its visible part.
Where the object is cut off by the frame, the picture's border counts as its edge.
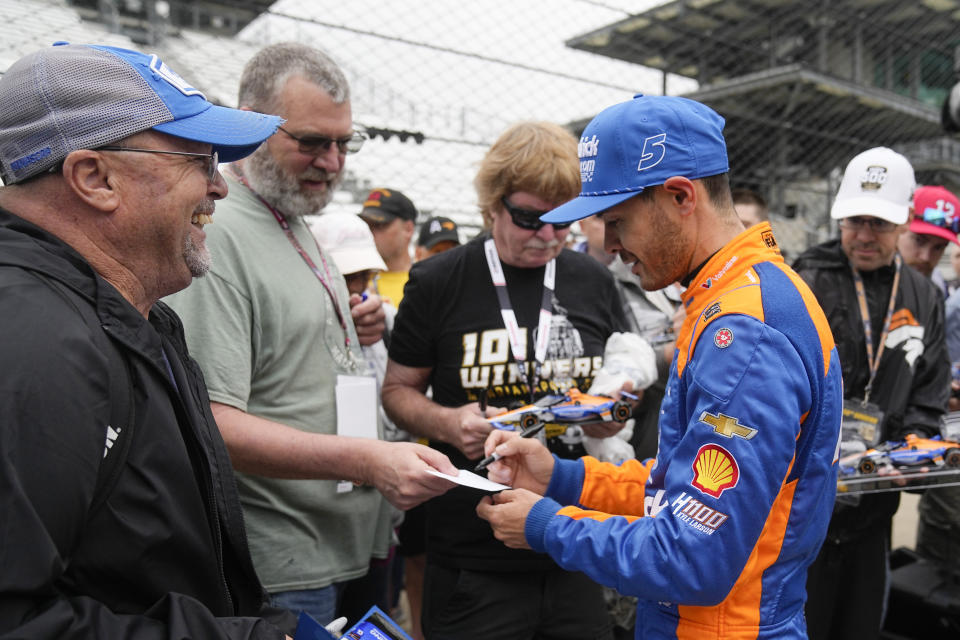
(653, 151)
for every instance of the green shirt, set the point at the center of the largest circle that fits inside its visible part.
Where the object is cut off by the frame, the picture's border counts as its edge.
(267, 337)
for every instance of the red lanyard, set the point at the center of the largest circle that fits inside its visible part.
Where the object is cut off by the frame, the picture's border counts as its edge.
(327, 281)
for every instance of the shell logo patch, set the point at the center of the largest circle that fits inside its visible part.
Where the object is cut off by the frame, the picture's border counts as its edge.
(723, 338)
(714, 470)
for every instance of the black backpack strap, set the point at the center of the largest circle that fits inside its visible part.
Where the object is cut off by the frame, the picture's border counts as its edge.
(119, 433)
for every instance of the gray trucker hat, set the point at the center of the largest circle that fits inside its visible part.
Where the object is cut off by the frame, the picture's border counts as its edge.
(69, 97)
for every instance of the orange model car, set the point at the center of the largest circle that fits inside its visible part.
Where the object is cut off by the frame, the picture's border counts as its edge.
(911, 452)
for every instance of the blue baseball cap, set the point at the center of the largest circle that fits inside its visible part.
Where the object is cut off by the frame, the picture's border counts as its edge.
(69, 97)
(640, 143)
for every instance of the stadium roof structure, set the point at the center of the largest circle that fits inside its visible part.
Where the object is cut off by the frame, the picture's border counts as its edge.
(804, 86)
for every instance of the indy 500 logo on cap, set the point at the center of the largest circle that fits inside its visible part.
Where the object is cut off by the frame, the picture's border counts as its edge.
(873, 178)
(171, 76)
(587, 149)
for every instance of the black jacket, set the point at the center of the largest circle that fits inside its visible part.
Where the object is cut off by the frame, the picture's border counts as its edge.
(913, 380)
(166, 555)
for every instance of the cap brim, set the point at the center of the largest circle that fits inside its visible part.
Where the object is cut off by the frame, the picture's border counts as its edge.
(925, 228)
(452, 236)
(870, 206)
(352, 260)
(585, 206)
(377, 215)
(234, 133)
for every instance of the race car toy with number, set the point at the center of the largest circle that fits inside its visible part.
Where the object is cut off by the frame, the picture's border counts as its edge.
(573, 407)
(909, 453)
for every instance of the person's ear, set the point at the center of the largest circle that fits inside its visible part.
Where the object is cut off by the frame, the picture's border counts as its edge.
(682, 194)
(92, 179)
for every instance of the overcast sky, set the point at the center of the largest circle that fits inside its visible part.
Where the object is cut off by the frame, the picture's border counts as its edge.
(460, 71)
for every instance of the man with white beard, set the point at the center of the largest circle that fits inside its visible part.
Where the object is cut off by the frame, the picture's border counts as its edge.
(275, 330)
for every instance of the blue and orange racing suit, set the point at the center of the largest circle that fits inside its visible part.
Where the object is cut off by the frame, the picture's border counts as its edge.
(714, 536)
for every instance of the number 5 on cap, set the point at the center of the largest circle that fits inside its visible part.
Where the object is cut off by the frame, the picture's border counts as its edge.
(653, 151)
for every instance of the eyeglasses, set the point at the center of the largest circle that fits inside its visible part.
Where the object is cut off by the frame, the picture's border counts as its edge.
(315, 145)
(875, 225)
(529, 218)
(212, 159)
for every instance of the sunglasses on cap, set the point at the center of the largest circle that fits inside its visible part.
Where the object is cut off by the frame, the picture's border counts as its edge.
(528, 218)
(315, 145)
(940, 218)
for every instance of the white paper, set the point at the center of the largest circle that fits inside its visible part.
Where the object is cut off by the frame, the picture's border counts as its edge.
(357, 406)
(470, 479)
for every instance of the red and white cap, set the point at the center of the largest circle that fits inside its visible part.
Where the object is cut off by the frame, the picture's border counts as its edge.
(936, 212)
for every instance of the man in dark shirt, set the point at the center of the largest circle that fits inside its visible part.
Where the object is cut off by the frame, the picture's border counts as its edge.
(887, 320)
(469, 317)
(119, 515)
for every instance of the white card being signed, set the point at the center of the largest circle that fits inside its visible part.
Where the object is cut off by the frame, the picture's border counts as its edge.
(470, 479)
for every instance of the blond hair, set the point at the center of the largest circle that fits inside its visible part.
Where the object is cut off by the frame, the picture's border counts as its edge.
(537, 157)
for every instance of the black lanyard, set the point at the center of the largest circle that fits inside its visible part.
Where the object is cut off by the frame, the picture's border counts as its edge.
(517, 346)
(873, 362)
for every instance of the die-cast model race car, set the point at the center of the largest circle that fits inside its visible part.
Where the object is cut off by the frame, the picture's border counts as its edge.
(573, 407)
(909, 453)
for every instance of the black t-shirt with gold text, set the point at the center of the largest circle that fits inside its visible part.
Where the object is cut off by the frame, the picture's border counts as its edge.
(450, 321)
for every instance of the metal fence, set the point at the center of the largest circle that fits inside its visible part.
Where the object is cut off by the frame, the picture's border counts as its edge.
(804, 85)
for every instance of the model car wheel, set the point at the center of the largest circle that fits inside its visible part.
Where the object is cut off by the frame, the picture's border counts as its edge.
(621, 411)
(952, 457)
(528, 420)
(867, 466)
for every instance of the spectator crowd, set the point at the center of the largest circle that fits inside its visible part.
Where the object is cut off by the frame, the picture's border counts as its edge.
(226, 407)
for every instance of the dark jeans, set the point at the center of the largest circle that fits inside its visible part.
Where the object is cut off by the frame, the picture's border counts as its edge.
(320, 603)
(351, 598)
(534, 605)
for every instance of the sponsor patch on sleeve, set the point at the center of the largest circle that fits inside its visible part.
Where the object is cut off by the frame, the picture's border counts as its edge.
(723, 338)
(727, 426)
(714, 470)
(697, 515)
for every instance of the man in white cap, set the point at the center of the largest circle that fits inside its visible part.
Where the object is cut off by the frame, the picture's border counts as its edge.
(714, 535)
(887, 320)
(119, 515)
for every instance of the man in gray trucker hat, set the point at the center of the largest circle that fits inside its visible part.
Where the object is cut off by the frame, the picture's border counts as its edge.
(118, 510)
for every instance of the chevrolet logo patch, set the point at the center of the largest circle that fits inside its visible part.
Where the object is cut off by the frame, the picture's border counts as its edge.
(727, 426)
